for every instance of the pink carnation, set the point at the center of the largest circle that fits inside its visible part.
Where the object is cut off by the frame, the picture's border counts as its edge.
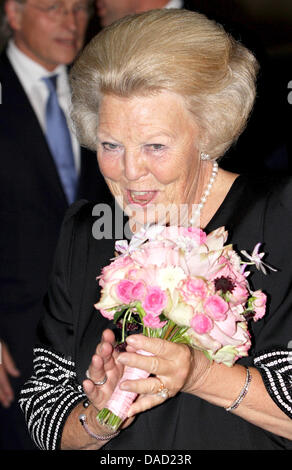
(259, 304)
(201, 323)
(155, 301)
(216, 307)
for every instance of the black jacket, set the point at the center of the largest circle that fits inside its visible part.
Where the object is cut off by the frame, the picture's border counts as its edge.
(32, 207)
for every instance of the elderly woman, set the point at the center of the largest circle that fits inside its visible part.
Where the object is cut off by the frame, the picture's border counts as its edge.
(162, 96)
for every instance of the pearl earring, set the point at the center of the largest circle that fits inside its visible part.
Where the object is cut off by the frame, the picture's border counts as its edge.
(205, 156)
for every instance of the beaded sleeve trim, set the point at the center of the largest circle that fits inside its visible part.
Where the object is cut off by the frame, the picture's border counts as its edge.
(276, 369)
(49, 396)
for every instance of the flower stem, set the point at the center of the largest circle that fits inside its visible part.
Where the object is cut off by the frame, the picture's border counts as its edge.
(107, 417)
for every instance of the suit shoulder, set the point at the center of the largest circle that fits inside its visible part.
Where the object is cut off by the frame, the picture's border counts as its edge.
(81, 208)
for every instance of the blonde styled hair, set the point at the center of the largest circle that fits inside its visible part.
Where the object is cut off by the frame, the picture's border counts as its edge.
(168, 50)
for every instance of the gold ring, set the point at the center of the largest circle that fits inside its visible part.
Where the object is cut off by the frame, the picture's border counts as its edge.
(162, 392)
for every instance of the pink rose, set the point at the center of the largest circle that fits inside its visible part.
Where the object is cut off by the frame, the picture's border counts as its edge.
(216, 307)
(239, 294)
(147, 275)
(138, 291)
(193, 287)
(259, 304)
(128, 290)
(196, 234)
(156, 253)
(237, 339)
(124, 290)
(201, 323)
(153, 322)
(116, 270)
(155, 301)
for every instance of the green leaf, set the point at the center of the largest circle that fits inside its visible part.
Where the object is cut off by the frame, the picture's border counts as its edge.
(162, 317)
(118, 315)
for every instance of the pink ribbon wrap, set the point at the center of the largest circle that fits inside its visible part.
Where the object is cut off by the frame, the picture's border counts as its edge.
(121, 400)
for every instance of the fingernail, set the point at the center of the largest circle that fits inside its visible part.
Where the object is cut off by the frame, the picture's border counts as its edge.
(131, 340)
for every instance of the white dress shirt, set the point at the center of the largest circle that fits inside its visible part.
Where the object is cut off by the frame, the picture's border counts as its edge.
(174, 4)
(30, 75)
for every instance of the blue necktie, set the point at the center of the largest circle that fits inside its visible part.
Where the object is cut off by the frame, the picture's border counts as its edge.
(59, 140)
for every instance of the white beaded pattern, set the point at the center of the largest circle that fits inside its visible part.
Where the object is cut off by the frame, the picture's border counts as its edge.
(271, 363)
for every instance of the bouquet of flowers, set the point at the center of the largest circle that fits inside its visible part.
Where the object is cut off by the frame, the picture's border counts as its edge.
(182, 285)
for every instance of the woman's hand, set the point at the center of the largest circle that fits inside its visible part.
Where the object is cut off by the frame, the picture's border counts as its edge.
(176, 366)
(7, 367)
(103, 364)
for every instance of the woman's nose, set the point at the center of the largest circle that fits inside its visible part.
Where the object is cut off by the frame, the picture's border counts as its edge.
(134, 165)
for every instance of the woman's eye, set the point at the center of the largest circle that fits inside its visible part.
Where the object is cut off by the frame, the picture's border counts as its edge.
(156, 147)
(109, 146)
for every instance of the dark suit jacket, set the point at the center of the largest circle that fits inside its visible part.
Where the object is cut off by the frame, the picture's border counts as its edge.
(32, 206)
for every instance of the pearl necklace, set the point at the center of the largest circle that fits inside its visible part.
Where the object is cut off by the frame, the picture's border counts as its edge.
(205, 195)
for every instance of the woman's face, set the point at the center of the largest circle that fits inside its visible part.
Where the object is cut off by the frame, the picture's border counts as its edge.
(148, 154)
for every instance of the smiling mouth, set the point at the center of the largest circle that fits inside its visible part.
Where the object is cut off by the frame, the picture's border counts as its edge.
(142, 198)
(67, 42)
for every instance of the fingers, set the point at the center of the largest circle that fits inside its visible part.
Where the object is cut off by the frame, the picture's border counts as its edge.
(148, 394)
(97, 394)
(171, 362)
(143, 386)
(103, 365)
(154, 365)
(144, 403)
(102, 360)
(6, 392)
(175, 364)
(156, 346)
(96, 370)
(8, 362)
(107, 337)
(7, 368)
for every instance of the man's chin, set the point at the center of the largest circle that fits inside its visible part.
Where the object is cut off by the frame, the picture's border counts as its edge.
(64, 53)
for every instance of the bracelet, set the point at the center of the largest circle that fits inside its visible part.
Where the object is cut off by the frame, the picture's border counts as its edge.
(243, 392)
(82, 419)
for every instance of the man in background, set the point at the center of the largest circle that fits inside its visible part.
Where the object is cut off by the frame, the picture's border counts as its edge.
(42, 171)
(111, 10)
